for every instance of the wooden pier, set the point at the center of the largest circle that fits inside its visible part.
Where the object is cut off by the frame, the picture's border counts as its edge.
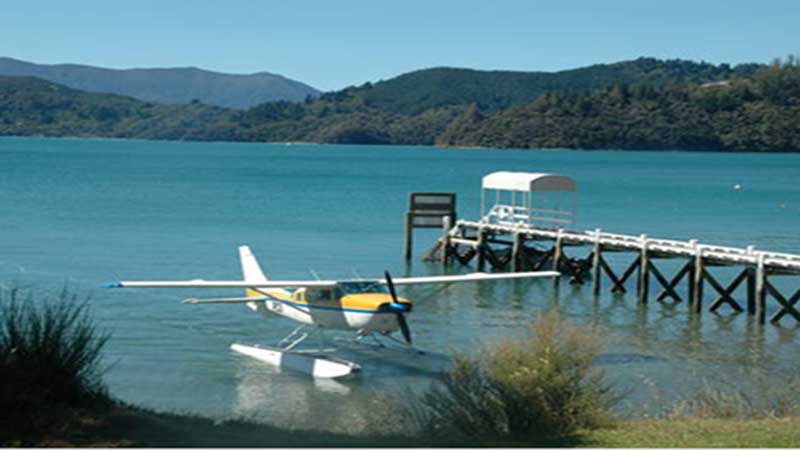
(514, 247)
(527, 226)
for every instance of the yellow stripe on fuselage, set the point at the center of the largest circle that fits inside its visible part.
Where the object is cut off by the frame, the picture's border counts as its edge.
(364, 301)
(368, 301)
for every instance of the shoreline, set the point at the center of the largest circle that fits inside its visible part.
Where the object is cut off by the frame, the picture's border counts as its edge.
(432, 147)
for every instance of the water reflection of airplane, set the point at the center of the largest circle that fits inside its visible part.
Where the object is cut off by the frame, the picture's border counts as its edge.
(370, 308)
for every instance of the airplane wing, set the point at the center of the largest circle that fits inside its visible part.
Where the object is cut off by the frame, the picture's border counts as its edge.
(221, 284)
(477, 276)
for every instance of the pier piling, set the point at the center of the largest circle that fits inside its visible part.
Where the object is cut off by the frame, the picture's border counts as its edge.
(761, 299)
(513, 247)
(697, 279)
(558, 247)
(643, 285)
(596, 263)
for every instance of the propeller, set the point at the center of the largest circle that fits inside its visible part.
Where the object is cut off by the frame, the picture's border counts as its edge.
(399, 308)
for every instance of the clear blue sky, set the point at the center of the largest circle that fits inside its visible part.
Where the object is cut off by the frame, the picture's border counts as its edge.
(333, 44)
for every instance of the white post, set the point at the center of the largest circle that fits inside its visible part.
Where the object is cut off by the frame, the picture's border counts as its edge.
(761, 298)
(697, 278)
(528, 205)
(689, 277)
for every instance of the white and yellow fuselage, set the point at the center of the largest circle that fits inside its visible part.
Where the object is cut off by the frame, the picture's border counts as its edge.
(329, 308)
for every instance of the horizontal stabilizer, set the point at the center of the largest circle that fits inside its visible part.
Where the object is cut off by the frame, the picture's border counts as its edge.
(236, 300)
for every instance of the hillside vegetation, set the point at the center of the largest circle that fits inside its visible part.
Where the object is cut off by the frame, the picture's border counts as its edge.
(494, 91)
(755, 113)
(641, 104)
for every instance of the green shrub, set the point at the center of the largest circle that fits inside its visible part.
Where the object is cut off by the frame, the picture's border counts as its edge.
(49, 358)
(543, 387)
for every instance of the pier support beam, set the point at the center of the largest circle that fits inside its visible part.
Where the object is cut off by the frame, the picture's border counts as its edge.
(643, 286)
(557, 249)
(726, 293)
(751, 291)
(697, 279)
(480, 245)
(618, 283)
(669, 286)
(409, 240)
(751, 284)
(445, 246)
(690, 275)
(760, 289)
(516, 256)
(596, 273)
(787, 305)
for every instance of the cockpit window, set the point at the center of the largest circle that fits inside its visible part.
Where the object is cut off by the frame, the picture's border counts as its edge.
(361, 287)
(318, 295)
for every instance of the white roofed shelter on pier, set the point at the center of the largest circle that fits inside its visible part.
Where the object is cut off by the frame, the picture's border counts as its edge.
(544, 199)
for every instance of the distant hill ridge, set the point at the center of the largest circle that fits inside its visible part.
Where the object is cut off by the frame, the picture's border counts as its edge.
(167, 85)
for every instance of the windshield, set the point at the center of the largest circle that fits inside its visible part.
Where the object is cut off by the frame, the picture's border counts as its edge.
(361, 287)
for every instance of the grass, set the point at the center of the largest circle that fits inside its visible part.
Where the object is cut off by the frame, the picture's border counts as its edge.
(712, 403)
(693, 432)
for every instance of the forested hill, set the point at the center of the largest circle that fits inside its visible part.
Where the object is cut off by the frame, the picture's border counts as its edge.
(678, 105)
(167, 85)
(756, 113)
(493, 91)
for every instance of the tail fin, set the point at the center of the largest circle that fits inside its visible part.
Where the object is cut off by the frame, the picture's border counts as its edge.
(250, 268)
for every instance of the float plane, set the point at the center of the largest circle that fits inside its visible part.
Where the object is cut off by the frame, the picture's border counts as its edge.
(369, 308)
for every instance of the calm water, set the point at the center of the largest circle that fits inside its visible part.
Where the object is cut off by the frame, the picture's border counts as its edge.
(85, 211)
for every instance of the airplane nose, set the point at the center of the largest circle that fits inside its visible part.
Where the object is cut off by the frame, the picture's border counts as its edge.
(400, 307)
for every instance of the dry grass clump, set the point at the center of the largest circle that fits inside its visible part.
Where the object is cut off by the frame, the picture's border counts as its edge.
(716, 403)
(543, 387)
